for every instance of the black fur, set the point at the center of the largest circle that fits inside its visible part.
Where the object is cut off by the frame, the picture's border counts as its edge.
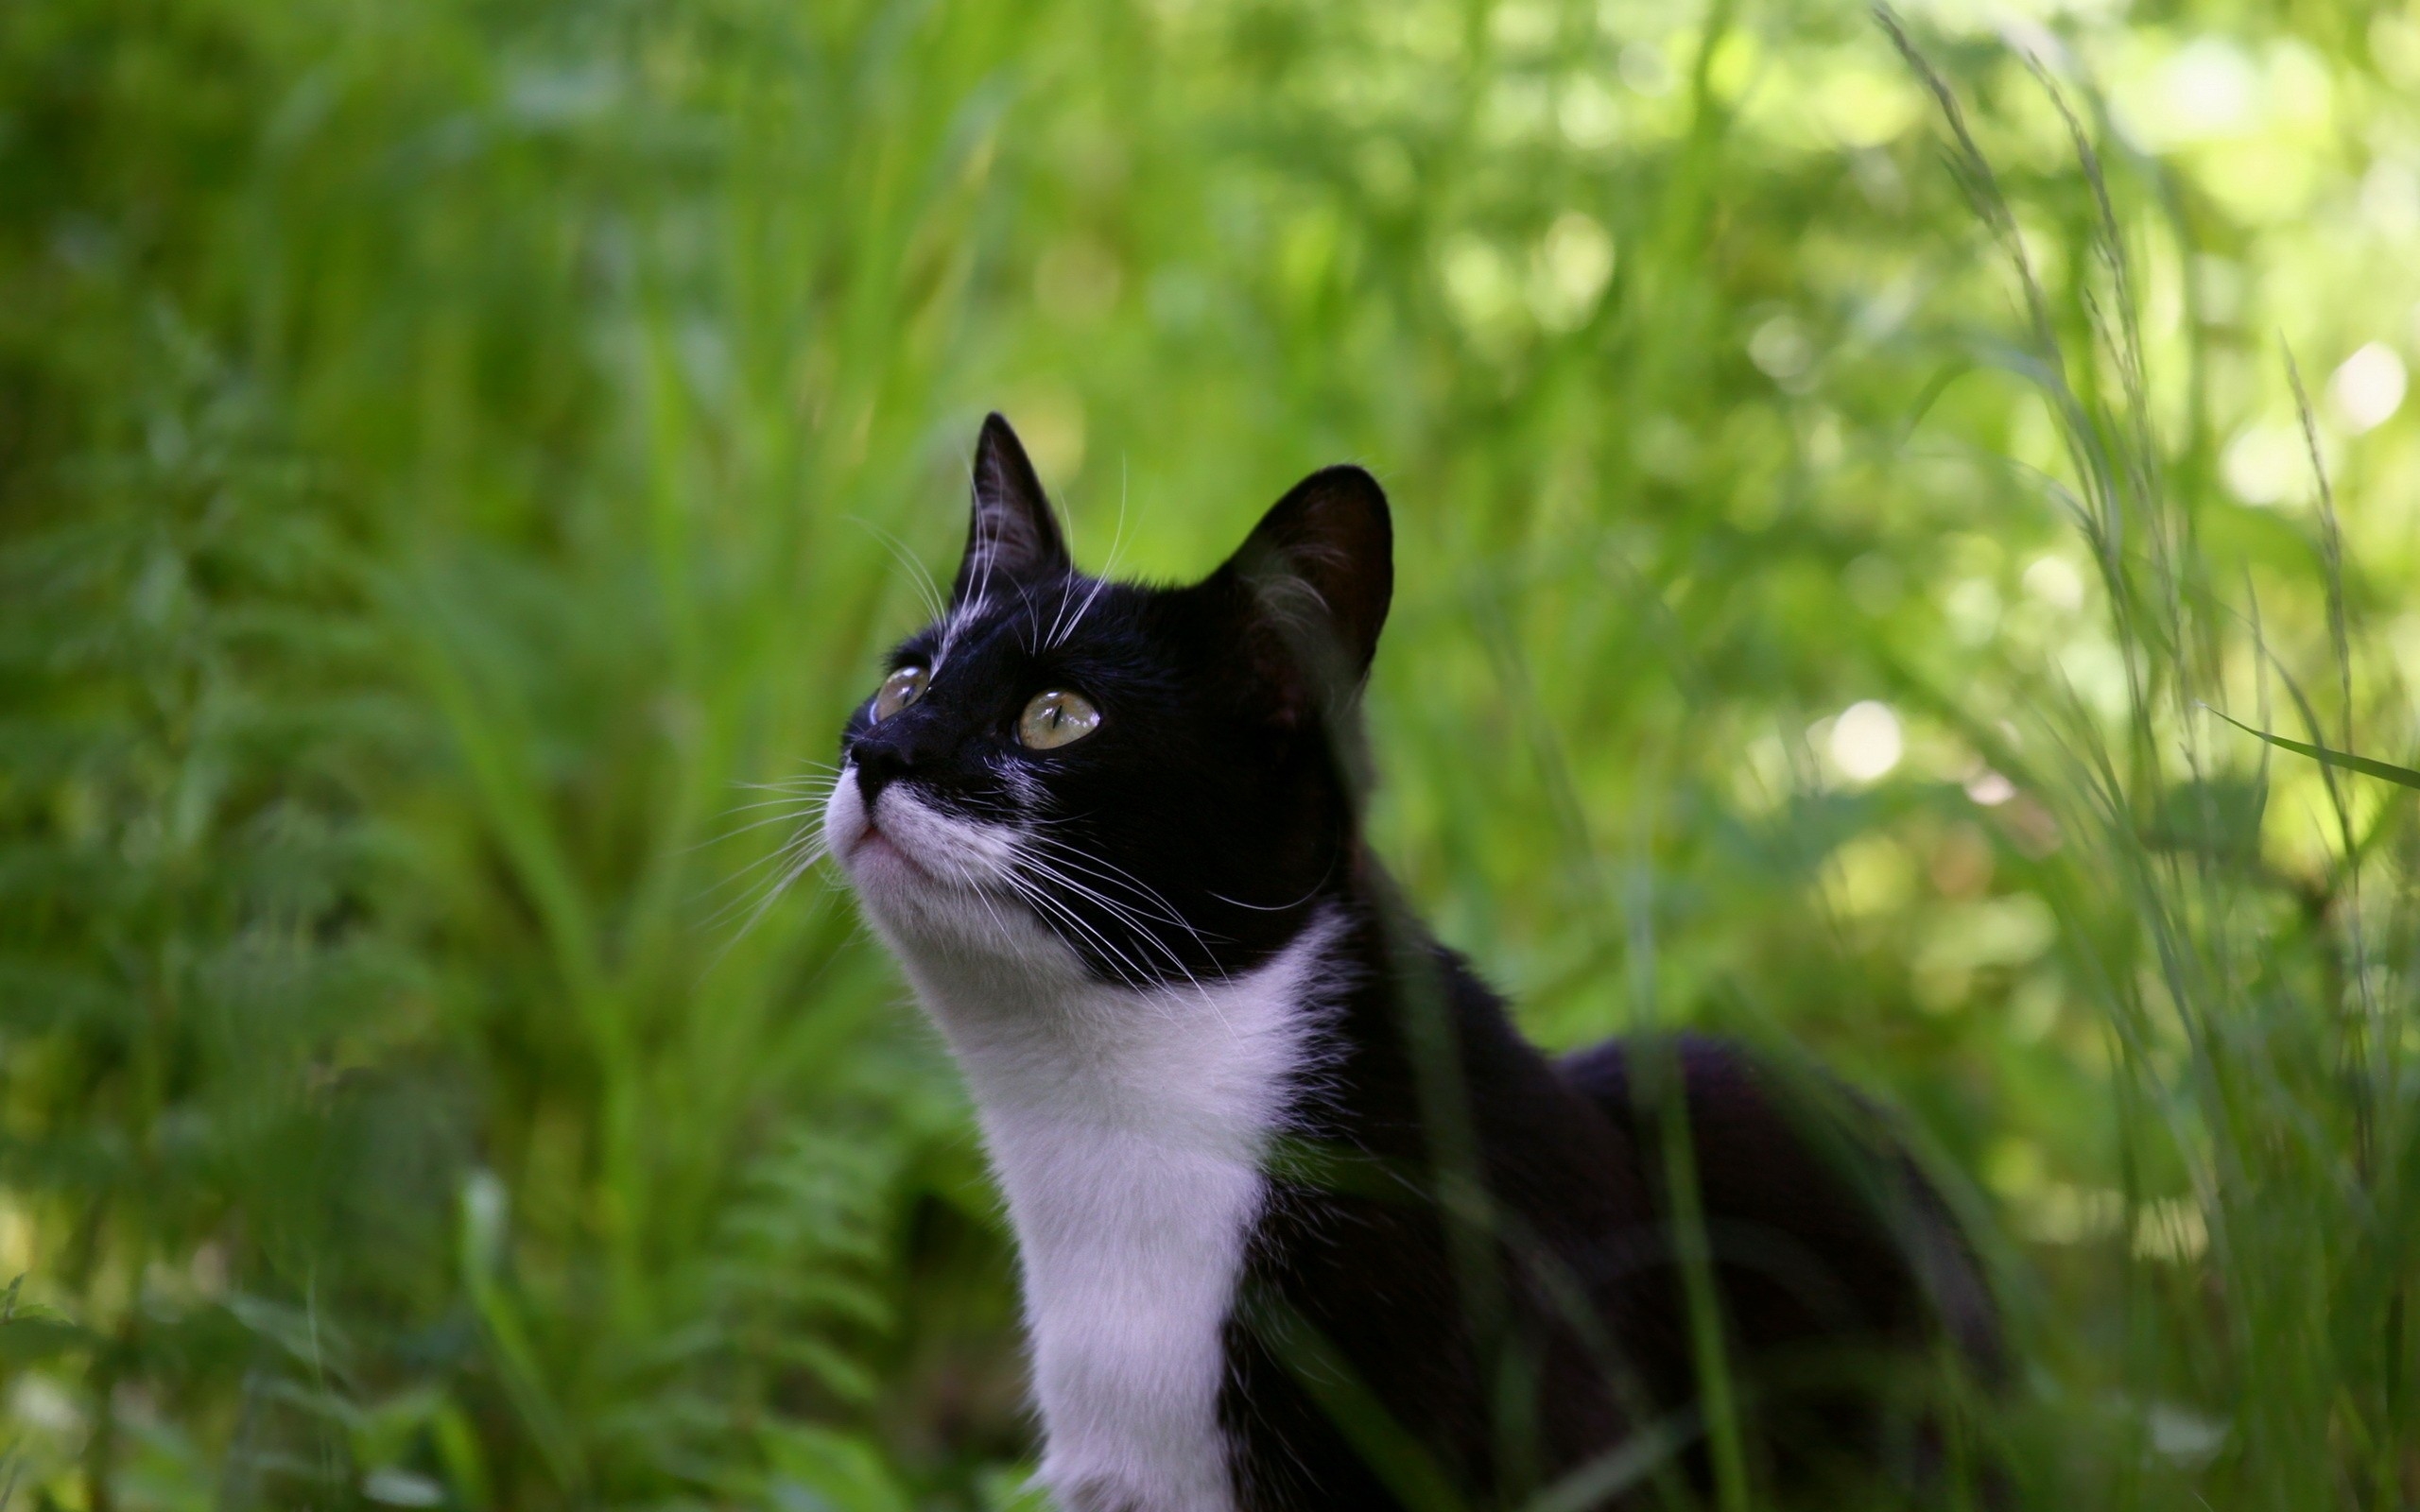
(1469, 1280)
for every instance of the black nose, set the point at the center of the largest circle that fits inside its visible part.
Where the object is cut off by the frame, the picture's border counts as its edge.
(883, 755)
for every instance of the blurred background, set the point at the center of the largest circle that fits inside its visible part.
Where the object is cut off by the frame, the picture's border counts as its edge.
(454, 456)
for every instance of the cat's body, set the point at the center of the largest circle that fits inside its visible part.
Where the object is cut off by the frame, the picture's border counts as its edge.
(1304, 1222)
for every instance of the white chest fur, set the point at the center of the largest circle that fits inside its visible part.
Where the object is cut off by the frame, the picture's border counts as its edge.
(1128, 1129)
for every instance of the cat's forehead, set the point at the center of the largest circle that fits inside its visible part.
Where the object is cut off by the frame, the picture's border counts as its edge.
(1071, 615)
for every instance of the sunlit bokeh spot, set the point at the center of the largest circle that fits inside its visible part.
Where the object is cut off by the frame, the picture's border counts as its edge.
(1989, 789)
(1866, 741)
(2267, 464)
(2055, 581)
(2369, 388)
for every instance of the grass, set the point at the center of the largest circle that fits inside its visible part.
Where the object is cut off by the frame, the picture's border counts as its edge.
(451, 456)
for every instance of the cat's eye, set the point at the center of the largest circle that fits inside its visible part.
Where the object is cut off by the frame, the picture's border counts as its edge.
(1057, 718)
(898, 691)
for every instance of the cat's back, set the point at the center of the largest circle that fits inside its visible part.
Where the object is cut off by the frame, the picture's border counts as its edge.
(1834, 1257)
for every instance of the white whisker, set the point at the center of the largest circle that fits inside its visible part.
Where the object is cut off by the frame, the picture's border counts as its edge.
(793, 785)
(814, 854)
(1280, 908)
(1130, 919)
(802, 801)
(1049, 866)
(1111, 872)
(1108, 570)
(785, 816)
(742, 878)
(927, 592)
(1041, 901)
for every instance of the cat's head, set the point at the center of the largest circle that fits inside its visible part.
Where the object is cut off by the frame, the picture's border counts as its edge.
(1143, 783)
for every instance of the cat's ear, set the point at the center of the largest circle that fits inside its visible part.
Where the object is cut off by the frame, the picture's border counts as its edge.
(1316, 575)
(1010, 533)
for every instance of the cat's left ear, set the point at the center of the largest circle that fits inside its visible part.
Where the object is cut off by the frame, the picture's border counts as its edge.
(1317, 574)
(1010, 533)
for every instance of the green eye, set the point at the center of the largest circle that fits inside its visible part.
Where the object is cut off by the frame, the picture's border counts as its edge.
(898, 691)
(1057, 718)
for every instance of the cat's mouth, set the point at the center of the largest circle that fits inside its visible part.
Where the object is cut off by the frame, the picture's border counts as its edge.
(872, 845)
(904, 842)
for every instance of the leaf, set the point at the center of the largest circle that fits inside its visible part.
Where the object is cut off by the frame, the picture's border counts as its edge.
(29, 1339)
(2364, 765)
(836, 1371)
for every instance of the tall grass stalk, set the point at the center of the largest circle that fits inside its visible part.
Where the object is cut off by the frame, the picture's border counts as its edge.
(453, 457)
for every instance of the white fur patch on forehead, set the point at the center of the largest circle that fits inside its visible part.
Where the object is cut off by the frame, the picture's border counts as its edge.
(1040, 616)
(966, 623)
(953, 629)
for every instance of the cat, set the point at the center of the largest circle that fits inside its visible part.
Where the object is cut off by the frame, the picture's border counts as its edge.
(1303, 1220)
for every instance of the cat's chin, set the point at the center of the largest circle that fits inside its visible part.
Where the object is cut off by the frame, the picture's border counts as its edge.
(890, 856)
(959, 931)
(878, 855)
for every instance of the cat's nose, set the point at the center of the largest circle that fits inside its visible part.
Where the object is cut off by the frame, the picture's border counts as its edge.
(882, 757)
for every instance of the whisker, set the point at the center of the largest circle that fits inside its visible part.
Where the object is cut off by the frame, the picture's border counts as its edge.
(1280, 908)
(795, 784)
(1029, 889)
(1100, 584)
(814, 854)
(779, 889)
(807, 841)
(800, 799)
(804, 798)
(1039, 899)
(1110, 871)
(1264, 908)
(1132, 920)
(928, 590)
(740, 877)
(1050, 636)
(987, 554)
(1108, 568)
(783, 817)
(1168, 915)
(820, 772)
(1124, 913)
(826, 767)
(983, 896)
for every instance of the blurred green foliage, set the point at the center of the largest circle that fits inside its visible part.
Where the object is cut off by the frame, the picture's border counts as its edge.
(450, 452)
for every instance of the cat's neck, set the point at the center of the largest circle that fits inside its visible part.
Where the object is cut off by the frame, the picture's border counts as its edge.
(1128, 1128)
(1037, 1035)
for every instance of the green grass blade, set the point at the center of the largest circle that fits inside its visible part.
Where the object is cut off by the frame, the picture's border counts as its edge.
(2368, 767)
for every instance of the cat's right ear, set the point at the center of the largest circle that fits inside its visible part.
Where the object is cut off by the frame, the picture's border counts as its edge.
(1010, 533)
(1315, 577)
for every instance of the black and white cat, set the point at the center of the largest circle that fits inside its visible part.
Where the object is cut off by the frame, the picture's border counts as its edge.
(1304, 1222)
